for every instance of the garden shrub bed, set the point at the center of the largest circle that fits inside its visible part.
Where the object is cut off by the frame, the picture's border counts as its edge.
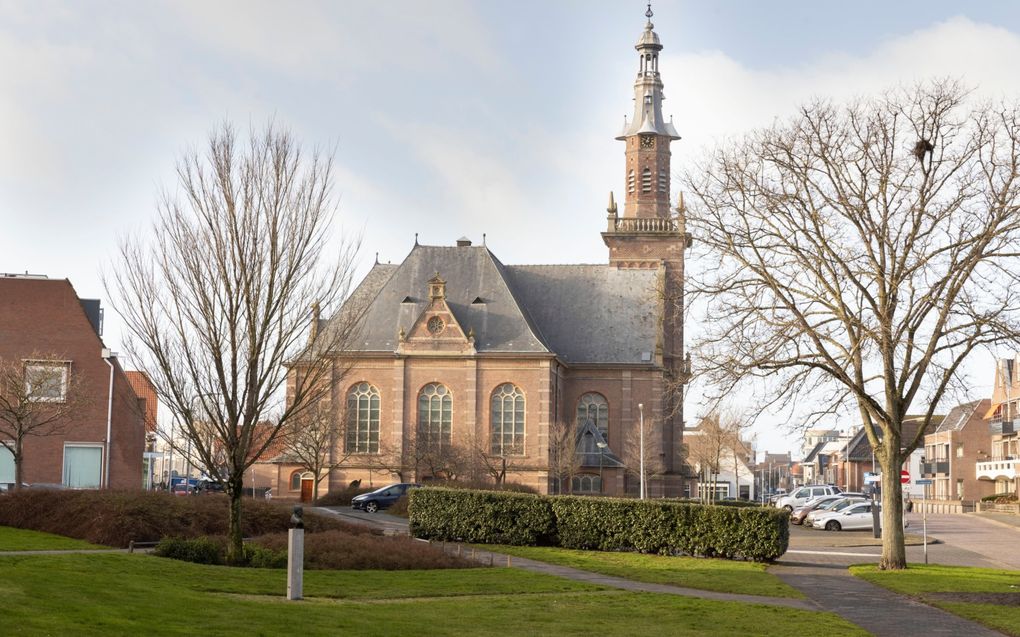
(609, 524)
(115, 518)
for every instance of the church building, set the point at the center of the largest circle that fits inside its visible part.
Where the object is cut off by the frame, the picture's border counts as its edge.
(542, 375)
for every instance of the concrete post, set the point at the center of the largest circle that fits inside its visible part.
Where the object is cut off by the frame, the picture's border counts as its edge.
(296, 556)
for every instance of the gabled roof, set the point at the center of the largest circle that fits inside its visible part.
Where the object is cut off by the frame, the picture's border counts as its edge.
(604, 457)
(580, 313)
(959, 416)
(810, 457)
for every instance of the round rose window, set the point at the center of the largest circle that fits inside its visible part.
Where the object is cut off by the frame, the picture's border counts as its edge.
(436, 325)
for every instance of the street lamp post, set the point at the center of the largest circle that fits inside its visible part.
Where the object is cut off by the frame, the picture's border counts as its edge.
(641, 446)
(602, 453)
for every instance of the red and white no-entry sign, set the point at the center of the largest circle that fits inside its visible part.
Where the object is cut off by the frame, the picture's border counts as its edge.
(904, 477)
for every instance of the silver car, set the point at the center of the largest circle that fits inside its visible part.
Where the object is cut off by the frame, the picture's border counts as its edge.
(858, 516)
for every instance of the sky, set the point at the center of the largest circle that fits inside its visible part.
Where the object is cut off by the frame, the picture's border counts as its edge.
(446, 118)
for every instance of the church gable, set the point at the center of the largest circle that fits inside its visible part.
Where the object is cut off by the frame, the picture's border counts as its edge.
(436, 328)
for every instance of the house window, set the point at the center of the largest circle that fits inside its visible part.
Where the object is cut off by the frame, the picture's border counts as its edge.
(586, 484)
(6, 466)
(363, 419)
(959, 450)
(435, 414)
(507, 420)
(595, 408)
(83, 466)
(295, 481)
(46, 381)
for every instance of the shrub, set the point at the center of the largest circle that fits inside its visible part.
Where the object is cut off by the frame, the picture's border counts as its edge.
(486, 517)
(201, 550)
(257, 556)
(481, 485)
(605, 524)
(339, 550)
(1000, 498)
(114, 518)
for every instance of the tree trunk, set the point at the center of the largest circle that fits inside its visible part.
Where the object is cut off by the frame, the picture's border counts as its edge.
(235, 539)
(18, 464)
(894, 554)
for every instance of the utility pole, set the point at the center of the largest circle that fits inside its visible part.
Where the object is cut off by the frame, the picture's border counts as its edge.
(641, 446)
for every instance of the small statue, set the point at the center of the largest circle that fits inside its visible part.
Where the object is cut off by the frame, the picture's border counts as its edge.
(296, 520)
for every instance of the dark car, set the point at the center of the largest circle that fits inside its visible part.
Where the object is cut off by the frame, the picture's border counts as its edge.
(381, 498)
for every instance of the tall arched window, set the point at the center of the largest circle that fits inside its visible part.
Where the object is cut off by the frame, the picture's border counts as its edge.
(593, 407)
(295, 481)
(435, 414)
(363, 419)
(507, 421)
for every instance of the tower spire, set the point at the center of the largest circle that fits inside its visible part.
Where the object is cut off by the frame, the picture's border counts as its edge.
(648, 134)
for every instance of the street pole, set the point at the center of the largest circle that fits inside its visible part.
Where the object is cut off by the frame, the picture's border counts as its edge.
(641, 446)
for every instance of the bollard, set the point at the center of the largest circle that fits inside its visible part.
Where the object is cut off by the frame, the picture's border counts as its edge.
(131, 546)
(508, 561)
(296, 555)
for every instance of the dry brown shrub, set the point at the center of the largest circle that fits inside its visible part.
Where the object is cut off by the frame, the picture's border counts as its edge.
(115, 518)
(338, 550)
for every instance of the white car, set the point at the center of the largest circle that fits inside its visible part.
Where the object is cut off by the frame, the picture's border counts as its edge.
(832, 506)
(855, 517)
(803, 494)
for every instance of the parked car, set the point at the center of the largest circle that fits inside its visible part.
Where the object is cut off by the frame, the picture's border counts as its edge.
(805, 493)
(208, 487)
(382, 498)
(832, 506)
(801, 512)
(183, 488)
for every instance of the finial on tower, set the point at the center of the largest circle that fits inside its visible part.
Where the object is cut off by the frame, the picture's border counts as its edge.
(612, 204)
(648, 13)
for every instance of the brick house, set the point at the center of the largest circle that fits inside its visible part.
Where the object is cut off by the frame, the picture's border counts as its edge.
(952, 452)
(1001, 463)
(46, 327)
(459, 351)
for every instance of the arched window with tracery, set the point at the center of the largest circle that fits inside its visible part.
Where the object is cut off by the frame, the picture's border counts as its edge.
(585, 483)
(435, 414)
(594, 407)
(363, 419)
(507, 420)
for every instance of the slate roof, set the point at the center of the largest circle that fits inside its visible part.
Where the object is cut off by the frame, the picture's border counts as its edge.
(581, 313)
(959, 416)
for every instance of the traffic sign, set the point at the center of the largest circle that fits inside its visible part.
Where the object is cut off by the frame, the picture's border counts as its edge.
(872, 478)
(904, 477)
(924, 481)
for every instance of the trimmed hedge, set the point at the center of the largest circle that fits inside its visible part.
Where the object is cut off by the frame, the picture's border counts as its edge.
(483, 517)
(605, 524)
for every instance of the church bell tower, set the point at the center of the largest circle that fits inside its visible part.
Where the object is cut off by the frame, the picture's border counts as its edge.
(651, 235)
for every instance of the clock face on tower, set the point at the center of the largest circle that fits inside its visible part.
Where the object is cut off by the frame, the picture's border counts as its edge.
(647, 141)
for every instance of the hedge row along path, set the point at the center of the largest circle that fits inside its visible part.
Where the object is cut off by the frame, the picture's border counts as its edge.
(829, 587)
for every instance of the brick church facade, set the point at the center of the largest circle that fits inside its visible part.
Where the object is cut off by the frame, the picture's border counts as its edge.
(465, 365)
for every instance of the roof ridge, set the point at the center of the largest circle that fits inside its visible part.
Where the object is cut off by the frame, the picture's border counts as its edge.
(528, 320)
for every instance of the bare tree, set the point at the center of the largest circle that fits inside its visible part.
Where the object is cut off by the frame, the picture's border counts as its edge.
(856, 256)
(564, 461)
(216, 302)
(39, 396)
(315, 441)
(707, 445)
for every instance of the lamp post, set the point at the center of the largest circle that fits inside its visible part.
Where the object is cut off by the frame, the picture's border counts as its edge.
(602, 453)
(641, 446)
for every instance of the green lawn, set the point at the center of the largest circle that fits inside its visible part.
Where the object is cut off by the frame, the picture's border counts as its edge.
(728, 576)
(923, 582)
(120, 594)
(12, 539)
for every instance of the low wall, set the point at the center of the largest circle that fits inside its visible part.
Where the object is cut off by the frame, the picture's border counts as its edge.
(944, 506)
(991, 507)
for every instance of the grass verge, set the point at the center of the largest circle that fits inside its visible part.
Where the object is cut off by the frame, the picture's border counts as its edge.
(726, 576)
(138, 594)
(964, 591)
(12, 539)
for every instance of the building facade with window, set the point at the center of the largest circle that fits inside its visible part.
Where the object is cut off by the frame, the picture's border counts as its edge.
(54, 339)
(464, 364)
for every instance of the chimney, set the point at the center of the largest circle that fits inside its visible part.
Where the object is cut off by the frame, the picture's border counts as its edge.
(463, 242)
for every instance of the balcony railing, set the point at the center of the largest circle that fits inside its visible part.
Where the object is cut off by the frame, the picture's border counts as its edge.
(929, 469)
(1002, 426)
(998, 467)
